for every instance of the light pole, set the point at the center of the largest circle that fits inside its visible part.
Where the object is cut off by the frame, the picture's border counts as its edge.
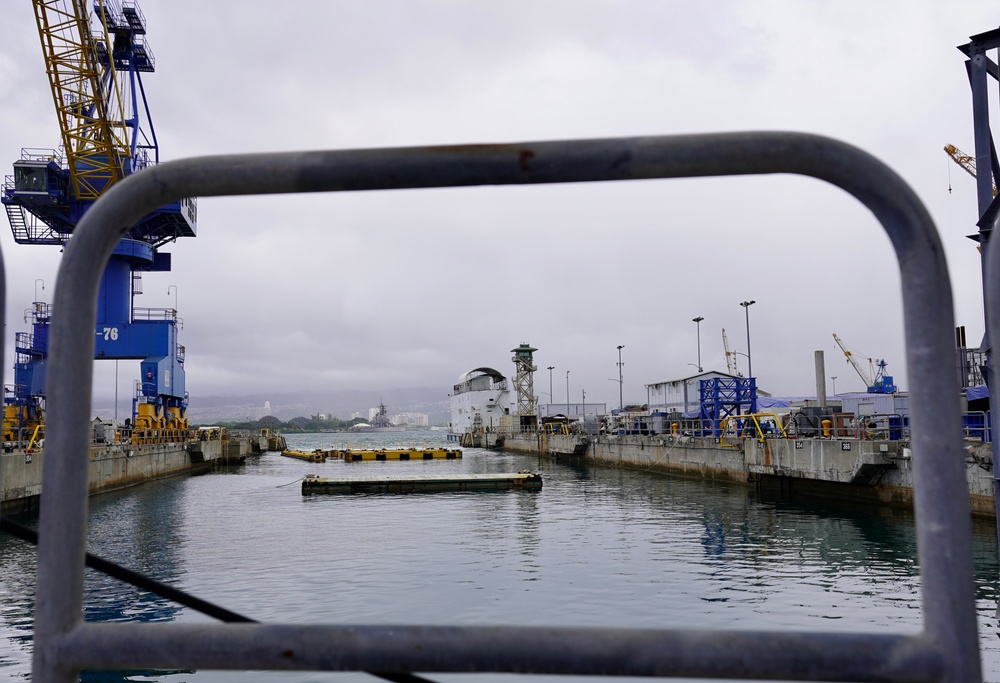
(621, 403)
(567, 394)
(746, 308)
(834, 378)
(551, 397)
(697, 321)
(174, 287)
(36, 287)
(740, 353)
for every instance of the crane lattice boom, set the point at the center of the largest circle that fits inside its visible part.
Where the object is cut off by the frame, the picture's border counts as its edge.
(967, 162)
(86, 93)
(866, 378)
(730, 356)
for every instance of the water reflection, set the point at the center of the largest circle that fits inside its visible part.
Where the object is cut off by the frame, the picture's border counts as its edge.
(596, 546)
(140, 529)
(17, 601)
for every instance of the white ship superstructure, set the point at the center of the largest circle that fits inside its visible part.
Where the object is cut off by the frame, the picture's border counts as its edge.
(480, 401)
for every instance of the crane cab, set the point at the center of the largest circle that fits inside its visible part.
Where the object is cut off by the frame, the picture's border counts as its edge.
(38, 176)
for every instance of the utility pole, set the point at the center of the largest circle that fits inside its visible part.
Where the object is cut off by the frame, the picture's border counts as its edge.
(746, 307)
(621, 403)
(697, 321)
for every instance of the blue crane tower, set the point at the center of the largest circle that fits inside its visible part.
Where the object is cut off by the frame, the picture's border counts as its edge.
(95, 57)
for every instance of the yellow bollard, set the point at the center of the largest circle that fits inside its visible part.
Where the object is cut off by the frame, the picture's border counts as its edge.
(675, 428)
(826, 427)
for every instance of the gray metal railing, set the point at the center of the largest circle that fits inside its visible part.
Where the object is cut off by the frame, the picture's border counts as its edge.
(945, 650)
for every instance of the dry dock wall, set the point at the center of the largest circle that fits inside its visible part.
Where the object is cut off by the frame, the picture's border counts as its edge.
(689, 456)
(112, 466)
(876, 471)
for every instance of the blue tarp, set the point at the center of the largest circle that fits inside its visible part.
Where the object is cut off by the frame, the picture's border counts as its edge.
(972, 393)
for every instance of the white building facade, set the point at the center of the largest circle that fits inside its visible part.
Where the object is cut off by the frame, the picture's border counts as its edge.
(411, 419)
(681, 395)
(481, 399)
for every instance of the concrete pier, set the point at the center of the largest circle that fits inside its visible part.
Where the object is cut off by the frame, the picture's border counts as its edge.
(845, 468)
(113, 466)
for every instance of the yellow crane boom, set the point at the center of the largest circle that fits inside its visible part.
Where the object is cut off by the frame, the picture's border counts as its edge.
(730, 356)
(967, 162)
(86, 93)
(865, 377)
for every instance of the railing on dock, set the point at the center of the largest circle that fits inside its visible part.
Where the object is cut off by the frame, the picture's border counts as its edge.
(154, 314)
(947, 648)
(976, 425)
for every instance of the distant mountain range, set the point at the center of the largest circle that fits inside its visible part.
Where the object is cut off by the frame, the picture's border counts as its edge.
(201, 409)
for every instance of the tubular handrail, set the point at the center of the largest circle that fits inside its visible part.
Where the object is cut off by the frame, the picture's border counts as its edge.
(946, 649)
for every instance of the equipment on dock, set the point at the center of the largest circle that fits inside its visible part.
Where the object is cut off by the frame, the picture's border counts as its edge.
(753, 425)
(272, 440)
(876, 381)
(458, 482)
(94, 59)
(724, 397)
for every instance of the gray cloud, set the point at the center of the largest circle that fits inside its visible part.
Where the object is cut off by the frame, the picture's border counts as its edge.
(412, 288)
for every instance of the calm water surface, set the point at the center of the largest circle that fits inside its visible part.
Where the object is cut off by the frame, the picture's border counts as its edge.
(596, 546)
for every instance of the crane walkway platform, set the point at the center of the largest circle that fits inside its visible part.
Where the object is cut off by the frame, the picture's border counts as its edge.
(413, 484)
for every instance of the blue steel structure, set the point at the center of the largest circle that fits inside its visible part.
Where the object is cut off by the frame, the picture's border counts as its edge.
(95, 63)
(722, 397)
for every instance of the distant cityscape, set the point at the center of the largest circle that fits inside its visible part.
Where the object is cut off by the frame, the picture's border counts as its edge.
(408, 419)
(423, 407)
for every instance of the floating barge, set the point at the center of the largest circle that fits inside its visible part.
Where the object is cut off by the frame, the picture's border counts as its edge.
(318, 455)
(350, 455)
(521, 481)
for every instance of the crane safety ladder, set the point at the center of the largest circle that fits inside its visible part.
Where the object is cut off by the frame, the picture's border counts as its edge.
(18, 224)
(945, 650)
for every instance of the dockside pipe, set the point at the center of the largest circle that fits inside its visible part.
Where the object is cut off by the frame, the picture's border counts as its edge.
(949, 640)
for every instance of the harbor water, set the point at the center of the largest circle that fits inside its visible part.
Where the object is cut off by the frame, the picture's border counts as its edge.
(596, 546)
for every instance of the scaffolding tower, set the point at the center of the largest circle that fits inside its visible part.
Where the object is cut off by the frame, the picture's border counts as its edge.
(524, 382)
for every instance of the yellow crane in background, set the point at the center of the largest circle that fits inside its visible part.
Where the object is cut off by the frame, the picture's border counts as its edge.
(876, 380)
(967, 163)
(730, 356)
(865, 377)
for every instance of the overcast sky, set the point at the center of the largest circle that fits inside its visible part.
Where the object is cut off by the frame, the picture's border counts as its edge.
(412, 288)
